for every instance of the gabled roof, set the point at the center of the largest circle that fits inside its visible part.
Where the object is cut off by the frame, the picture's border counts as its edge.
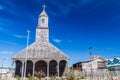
(41, 50)
(98, 57)
(92, 59)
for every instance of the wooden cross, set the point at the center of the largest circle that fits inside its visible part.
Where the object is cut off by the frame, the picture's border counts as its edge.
(44, 7)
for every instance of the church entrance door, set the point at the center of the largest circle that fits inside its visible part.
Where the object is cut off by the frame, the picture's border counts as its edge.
(41, 66)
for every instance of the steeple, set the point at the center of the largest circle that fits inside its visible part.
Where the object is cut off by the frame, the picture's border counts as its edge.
(43, 12)
(43, 19)
(42, 31)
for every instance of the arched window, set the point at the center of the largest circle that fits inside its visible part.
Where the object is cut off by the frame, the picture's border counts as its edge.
(43, 20)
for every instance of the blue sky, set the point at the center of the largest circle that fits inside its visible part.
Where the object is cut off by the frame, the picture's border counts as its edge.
(75, 25)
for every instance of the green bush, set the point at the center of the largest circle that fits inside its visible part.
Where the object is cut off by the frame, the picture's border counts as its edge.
(30, 77)
(40, 75)
(52, 78)
(17, 77)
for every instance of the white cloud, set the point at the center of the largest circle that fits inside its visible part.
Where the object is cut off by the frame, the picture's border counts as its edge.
(67, 6)
(57, 40)
(63, 9)
(19, 36)
(6, 52)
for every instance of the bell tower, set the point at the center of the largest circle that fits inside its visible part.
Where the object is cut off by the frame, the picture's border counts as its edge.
(42, 31)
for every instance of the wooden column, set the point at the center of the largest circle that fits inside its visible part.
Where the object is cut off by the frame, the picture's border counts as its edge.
(48, 69)
(22, 69)
(33, 69)
(58, 68)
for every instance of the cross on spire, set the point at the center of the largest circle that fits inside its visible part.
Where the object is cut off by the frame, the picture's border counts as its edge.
(44, 6)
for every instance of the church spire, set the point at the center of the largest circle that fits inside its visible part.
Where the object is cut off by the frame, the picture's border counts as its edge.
(43, 19)
(43, 12)
(42, 31)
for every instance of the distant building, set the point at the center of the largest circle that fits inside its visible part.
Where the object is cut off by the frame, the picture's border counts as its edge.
(114, 64)
(95, 64)
(4, 72)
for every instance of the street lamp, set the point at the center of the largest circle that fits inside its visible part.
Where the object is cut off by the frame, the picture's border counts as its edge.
(26, 53)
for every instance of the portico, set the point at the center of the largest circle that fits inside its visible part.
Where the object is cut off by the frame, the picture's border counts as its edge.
(48, 67)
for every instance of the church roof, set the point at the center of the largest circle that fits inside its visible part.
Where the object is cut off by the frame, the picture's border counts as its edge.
(43, 14)
(43, 50)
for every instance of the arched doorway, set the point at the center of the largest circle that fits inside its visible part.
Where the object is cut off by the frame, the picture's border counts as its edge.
(41, 66)
(52, 68)
(62, 66)
(29, 68)
(18, 69)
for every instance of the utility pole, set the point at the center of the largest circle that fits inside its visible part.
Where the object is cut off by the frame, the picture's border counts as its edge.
(90, 49)
(26, 54)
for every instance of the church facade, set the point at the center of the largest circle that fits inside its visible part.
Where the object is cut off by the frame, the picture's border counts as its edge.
(41, 55)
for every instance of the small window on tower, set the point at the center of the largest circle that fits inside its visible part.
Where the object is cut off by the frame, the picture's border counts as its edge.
(43, 20)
